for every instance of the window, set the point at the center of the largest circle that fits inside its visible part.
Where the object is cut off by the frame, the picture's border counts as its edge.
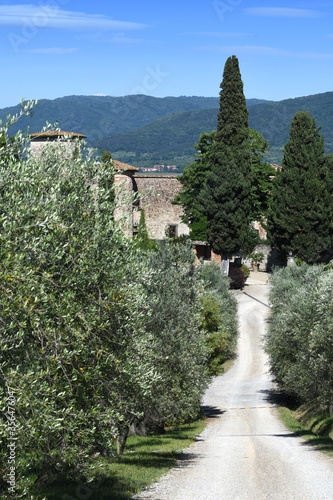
(171, 231)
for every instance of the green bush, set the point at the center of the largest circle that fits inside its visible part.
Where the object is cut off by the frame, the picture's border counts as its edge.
(142, 240)
(218, 317)
(93, 331)
(237, 278)
(245, 270)
(172, 298)
(300, 335)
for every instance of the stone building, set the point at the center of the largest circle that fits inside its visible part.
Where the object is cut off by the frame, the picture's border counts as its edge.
(136, 192)
(154, 195)
(40, 141)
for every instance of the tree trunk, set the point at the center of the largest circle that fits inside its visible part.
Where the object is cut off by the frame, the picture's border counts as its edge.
(331, 407)
(121, 442)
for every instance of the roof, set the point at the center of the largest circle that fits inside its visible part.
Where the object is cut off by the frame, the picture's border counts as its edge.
(55, 134)
(156, 176)
(122, 167)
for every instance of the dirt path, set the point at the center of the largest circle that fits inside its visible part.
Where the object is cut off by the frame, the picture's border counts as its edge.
(245, 452)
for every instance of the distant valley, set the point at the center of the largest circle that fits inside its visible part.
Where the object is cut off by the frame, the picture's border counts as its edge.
(145, 131)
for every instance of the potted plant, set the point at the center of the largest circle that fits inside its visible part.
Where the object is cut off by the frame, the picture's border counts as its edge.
(256, 259)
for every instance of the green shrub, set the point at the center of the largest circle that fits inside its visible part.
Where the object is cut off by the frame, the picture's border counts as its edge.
(218, 317)
(237, 278)
(142, 240)
(172, 299)
(300, 335)
(93, 330)
(245, 270)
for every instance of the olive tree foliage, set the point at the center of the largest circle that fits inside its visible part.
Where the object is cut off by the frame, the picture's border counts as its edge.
(71, 335)
(76, 343)
(172, 306)
(218, 316)
(299, 339)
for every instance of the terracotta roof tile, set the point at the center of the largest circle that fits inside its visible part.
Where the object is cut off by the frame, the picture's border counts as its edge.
(55, 133)
(122, 167)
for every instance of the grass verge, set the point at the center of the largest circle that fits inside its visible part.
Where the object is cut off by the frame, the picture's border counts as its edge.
(144, 461)
(306, 422)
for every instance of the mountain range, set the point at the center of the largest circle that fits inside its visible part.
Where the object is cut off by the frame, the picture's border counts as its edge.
(144, 130)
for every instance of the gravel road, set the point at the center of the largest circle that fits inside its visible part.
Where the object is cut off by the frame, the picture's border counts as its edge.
(245, 452)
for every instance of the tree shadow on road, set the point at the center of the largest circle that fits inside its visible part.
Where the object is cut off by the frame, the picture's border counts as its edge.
(275, 397)
(210, 412)
(319, 440)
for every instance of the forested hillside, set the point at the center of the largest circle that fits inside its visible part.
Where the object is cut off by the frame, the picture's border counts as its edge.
(99, 116)
(144, 130)
(273, 119)
(171, 139)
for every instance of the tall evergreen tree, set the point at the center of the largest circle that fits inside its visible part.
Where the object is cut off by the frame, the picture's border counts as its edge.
(262, 173)
(232, 119)
(300, 214)
(223, 197)
(142, 240)
(226, 196)
(192, 179)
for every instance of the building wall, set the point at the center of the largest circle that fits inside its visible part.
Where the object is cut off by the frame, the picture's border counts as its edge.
(39, 148)
(124, 196)
(156, 194)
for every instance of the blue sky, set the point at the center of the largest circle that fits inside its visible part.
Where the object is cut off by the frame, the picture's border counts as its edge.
(54, 48)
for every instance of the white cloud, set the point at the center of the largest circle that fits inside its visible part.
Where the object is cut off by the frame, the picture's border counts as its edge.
(282, 12)
(51, 16)
(52, 50)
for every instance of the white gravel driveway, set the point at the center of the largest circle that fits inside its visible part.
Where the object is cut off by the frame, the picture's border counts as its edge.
(245, 452)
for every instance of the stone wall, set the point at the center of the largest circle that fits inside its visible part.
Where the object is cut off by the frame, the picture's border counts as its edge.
(39, 148)
(124, 196)
(272, 258)
(156, 194)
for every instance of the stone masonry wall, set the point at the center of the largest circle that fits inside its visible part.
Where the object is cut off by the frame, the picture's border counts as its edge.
(156, 194)
(123, 212)
(39, 148)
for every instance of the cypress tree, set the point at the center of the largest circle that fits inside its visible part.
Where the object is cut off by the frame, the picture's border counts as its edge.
(223, 197)
(226, 195)
(300, 213)
(192, 180)
(233, 117)
(142, 239)
(262, 173)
